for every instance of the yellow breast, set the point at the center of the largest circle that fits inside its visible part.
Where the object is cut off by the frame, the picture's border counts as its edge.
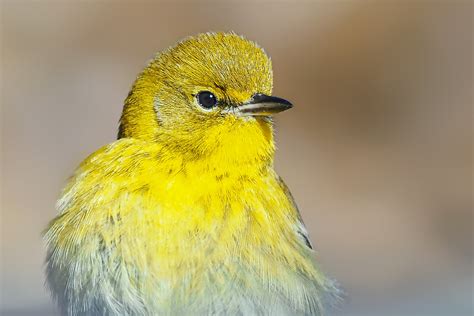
(138, 222)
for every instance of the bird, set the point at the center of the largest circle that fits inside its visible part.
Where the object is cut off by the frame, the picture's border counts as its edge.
(184, 214)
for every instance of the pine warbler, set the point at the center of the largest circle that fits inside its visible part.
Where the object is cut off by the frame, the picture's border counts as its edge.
(184, 213)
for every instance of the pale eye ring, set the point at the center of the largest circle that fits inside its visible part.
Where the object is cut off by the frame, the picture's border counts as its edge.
(206, 99)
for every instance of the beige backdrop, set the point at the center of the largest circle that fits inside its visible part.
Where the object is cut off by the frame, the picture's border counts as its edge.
(377, 150)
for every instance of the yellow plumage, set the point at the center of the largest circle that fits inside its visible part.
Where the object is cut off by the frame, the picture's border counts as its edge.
(184, 214)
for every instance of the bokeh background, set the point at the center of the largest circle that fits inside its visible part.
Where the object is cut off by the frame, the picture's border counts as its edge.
(377, 150)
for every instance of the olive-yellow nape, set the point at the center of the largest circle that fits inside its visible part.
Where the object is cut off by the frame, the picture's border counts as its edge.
(184, 214)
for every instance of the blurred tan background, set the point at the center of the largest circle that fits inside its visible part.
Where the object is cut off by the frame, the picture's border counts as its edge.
(377, 150)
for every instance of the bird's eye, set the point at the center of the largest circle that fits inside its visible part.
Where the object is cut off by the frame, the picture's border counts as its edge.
(206, 99)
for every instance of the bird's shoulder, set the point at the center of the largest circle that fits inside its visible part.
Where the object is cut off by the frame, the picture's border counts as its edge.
(300, 227)
(121, 155)
(116, 171)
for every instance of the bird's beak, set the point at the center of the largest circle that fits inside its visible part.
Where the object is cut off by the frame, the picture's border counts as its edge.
(263, 105)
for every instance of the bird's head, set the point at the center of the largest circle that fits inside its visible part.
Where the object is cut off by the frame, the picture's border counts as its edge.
(208, 95)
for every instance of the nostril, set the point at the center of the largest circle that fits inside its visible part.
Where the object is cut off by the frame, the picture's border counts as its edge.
(257, 97)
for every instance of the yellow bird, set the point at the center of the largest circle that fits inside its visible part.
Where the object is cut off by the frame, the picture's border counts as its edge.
(184, 214)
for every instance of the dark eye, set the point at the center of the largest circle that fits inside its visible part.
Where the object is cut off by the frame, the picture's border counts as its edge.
(206, 99)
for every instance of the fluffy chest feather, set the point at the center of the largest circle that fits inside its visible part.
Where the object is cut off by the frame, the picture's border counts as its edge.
(137, 237)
